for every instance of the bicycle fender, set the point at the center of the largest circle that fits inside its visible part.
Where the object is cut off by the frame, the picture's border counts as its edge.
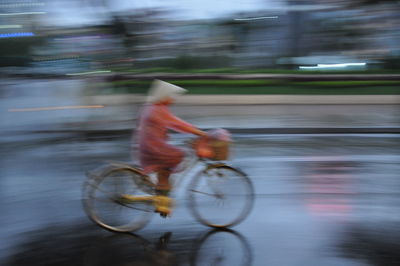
(221, 165)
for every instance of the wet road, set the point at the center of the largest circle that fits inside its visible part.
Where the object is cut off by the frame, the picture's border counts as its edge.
(320, 200)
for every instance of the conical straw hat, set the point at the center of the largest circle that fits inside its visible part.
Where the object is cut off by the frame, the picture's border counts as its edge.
(160, 89)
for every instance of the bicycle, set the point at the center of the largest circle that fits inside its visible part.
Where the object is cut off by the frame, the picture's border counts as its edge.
(121, 198)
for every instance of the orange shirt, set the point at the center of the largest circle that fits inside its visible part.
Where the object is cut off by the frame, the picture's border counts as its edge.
(154, 151)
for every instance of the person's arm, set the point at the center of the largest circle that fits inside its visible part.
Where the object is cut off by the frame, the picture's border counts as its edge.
(178, 124)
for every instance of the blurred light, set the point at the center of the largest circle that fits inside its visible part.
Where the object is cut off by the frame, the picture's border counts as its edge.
(256, 18)
(80, 38)
(322, 66)
(22, 13)
(10, 26)
(53, 58)
(342, 65)
(16, 34)
(55, 108)
(89, 73)
(21, 5)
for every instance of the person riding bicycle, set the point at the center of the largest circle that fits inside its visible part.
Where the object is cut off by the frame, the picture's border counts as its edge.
(155, 119)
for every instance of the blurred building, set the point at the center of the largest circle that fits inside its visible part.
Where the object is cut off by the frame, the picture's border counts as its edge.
(301, 32)
(20, 23)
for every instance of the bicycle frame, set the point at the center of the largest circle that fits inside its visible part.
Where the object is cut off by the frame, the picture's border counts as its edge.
(179, 181)
(179, 178)
(162, 202)
(185, 181)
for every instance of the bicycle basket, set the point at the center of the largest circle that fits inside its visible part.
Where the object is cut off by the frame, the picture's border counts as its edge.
(220, 150)
(216, 147)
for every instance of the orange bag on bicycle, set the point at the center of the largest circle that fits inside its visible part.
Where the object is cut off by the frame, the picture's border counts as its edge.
(215, 146)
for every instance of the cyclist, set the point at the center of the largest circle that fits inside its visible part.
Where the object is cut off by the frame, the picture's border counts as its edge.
(154, 152)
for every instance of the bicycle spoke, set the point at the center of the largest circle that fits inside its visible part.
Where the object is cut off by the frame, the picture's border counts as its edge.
(136, 208)
(102, 199)
(204, 193)
(121, 205)
(221, 197)
(105, 206)
(101, 190)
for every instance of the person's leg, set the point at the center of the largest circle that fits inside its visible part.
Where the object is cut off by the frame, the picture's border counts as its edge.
(167, 161)
(163, 186)
(163, 201)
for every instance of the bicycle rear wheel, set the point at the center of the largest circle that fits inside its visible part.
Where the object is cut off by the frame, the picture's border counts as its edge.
(221, 196)
(104, 205)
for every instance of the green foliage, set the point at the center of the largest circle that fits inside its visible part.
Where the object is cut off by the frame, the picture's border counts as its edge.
(230, 70)
(289, 90)
(378, 87)
(196, 62)
(237, 83)
(16, 51)
(352, 83)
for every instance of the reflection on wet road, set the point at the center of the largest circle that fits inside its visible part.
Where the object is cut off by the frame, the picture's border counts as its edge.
(82, 245)
(320, 200)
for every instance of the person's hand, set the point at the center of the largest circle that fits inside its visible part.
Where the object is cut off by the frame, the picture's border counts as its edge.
(203, 134)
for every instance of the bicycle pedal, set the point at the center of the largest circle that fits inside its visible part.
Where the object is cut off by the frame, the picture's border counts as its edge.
(164, 215)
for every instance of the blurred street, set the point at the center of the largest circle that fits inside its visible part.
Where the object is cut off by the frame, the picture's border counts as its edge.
(309, 90)
(24, 103)
(321, 199)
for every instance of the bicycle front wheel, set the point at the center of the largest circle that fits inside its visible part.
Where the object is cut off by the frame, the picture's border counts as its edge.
(221, 196)
(103, 203)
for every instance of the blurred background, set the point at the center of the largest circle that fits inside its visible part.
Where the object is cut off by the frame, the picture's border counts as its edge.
(66, 36)
(308, 88)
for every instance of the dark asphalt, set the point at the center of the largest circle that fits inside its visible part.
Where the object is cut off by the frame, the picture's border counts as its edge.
(322, 197)
(320, 200)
